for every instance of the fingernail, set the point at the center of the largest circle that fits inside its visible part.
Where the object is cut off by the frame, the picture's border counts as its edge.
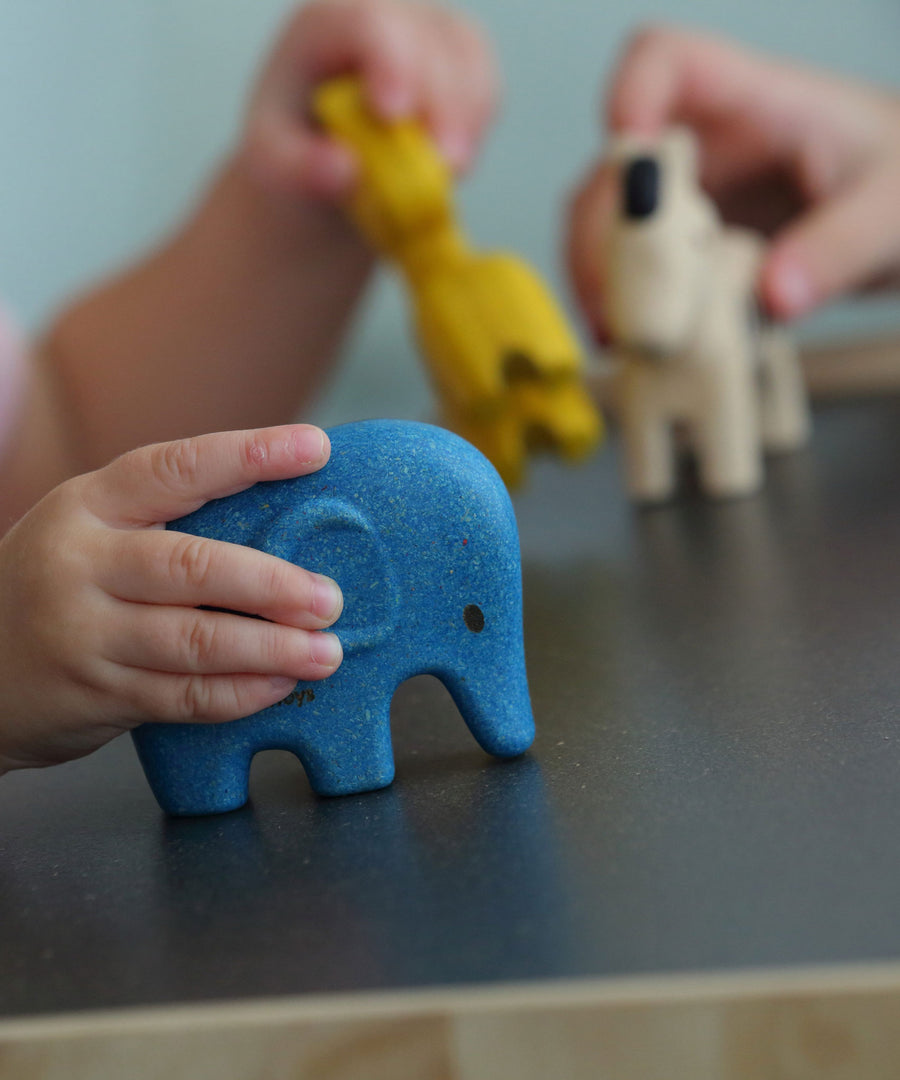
(326, 650)
(455, 147)
(336, 169)
(328, 600)
(792, 288)
(308, 444)
(392, 101)
(283, 684)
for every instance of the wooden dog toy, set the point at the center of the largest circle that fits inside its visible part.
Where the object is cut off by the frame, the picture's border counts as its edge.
(692, 352)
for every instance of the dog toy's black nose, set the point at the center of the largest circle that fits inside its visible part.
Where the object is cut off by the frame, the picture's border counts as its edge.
(641, 188)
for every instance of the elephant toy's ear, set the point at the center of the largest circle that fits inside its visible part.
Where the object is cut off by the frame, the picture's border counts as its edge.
(330, 536)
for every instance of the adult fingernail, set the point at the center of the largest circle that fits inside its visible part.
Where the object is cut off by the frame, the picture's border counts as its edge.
(792, 288)
(337, 168)
(328, 170)
(328, 600)
(456, 148)
(308, 444)
(393, 100)
(283, 684)
(326, 650)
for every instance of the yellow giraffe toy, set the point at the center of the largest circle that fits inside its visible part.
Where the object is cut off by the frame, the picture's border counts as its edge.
(506, 366)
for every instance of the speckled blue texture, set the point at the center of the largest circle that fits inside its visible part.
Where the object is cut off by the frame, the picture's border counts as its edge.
(416, 526)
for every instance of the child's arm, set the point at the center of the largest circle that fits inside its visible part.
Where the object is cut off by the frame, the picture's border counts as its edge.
(810, 158)
(235, 321)
(99, 620)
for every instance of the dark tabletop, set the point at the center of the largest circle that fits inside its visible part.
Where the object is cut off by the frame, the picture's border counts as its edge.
(715, 783)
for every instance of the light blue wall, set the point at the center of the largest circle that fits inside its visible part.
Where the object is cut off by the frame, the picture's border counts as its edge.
(113, 111)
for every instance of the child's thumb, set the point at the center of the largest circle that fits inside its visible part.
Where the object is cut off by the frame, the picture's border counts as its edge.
(164, 481)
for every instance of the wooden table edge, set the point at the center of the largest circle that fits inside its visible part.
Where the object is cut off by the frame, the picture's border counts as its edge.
(880, 979)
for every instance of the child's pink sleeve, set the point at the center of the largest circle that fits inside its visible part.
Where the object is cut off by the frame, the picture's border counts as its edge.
(12, 376)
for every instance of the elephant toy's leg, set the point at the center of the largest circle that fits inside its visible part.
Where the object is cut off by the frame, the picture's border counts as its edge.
(784, 412)
(349, 750)
(194, 769)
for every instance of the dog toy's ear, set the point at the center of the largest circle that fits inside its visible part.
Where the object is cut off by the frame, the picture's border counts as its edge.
(679, 150)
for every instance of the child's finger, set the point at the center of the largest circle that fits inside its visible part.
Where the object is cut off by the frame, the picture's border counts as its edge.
(158, 696)
(189, 641)
(152, 566)
(837, 247)
(167, 480)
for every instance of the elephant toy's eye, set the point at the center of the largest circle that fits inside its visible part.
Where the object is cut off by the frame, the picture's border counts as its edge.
(474, 618)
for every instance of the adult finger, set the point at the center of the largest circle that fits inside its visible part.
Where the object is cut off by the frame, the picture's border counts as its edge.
(287, 156)
(460, 85)
(158, 483)
(325, 38)
(590, 213)
(668, 75)
(328, 38)
(838, 246)
(751, 113)
(151, 566)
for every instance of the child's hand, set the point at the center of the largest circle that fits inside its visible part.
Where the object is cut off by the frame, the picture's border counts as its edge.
(99, 621)
(812, 159)
(416, 59)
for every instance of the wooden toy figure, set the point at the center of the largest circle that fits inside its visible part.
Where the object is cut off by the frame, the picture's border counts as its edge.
(418, 530)
(692, 351)
(506, 366)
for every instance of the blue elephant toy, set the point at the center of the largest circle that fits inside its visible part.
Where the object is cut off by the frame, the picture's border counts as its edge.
(416, 527)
